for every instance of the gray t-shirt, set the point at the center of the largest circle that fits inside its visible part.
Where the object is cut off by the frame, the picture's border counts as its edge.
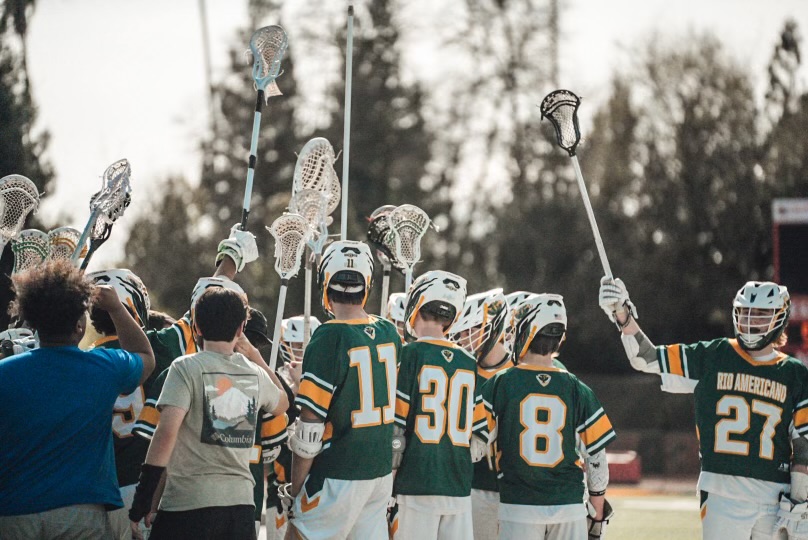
(210, 464)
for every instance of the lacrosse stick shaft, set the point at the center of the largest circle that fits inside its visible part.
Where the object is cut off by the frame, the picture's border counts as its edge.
(307, 304)
(407, 280)
(346, 130)
(276, 336)
(245, 209)
(591, 215)
(385, 289)
(84, 235)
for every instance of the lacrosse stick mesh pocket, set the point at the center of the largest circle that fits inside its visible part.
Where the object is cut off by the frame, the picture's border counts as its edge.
(31, 248)
(18, 198)
(63, 242)
(408, 224)
(268, 46)
(561, 108)
(291, 232)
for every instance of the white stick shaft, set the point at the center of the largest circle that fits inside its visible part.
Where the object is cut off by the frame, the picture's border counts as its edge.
(407, 280)
(307, 304)
(84, 235)
(346, 130)
(385, 290)
(276, 336)
(591, 215)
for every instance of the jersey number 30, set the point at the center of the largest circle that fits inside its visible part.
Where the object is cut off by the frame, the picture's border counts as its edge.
(443, 400)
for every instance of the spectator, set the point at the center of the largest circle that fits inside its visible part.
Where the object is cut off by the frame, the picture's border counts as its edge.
(57, 472)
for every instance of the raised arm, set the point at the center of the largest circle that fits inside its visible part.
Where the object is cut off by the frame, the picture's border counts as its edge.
(614, 301)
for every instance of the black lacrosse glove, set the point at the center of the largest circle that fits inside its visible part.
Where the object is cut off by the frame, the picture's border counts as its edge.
(144, 493)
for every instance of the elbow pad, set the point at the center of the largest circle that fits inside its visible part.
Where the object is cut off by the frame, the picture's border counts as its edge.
(597, 473)
(641, 352)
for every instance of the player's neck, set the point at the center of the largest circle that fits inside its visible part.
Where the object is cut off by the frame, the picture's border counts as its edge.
(765, 354)
(428, 329)
(347, 312)
(540, 360)
(494, 357)
(221, 347)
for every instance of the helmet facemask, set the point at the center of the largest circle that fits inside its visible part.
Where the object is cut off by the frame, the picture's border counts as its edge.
(760, 314)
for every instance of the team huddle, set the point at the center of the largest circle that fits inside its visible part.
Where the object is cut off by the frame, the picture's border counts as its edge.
(450, 417)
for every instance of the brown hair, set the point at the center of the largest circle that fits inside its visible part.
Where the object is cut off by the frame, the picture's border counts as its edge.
(219, 313)
(52, 298)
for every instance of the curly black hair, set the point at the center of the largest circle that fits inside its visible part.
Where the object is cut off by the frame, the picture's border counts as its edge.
(52, 298)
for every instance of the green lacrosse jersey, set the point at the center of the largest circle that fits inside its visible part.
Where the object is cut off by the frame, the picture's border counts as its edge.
(439, 406)
(130, 451)
(349, 381)
(743, 407)
(540, 414)
(485, 473)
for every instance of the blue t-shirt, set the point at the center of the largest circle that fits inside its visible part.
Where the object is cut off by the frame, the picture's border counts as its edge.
(56, 427)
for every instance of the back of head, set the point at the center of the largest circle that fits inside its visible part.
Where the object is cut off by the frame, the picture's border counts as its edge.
(345, 274)
(541, 323)
(436, 296)
(52, 298)
(220, 313)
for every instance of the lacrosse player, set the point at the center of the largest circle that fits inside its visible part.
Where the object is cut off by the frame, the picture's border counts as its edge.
(209, 411)
(342, 441)
(395, 312)
(539, 415)
(480, 329)
(440, 420)
(751, 405)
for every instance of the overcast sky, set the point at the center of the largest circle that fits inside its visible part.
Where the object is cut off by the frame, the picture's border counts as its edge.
(117, 78)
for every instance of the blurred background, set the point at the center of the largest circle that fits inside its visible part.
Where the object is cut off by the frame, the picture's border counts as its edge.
(693, 119)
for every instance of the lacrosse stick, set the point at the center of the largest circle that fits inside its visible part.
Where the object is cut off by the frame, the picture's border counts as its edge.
(18, 198)
(561, 108)
(63, 242)
(106, 206)
(291, 232)
(31, 247)
(312, 205)
(408, 225)
(267, 44)
(346, 129)
(380, 237)
(314, 169)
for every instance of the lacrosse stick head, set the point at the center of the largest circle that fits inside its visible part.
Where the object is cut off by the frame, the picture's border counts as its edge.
(312, 205)
(291, 232)
(345, 269)
(115, 194)
(18, 198)
(379, 234)
(334, 191)
(31, 248)
(408, 224)
(561, 108)
(315, 167)
(63, 242)
(268, 45)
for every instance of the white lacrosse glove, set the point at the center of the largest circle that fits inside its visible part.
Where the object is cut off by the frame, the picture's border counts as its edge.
(479, 449)
(287, 501)
(399, 445)
(239, 246)
(597, 527)
(790, 522)
(613, 298)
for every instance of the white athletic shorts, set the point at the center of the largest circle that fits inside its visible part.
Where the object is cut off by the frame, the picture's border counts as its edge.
(350, 509)
(276, 524)
(723, 518)
(432, 517)
(570, 530)
(485, 514)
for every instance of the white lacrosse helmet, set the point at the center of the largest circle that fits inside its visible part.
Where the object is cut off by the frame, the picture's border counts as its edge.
(206, 283)
(130, 289)
(514, 300)
(396, 308)
(483, 321)
(347, 266)
(438, 292)
(291, 345)
(760, 313)
(538, 314)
